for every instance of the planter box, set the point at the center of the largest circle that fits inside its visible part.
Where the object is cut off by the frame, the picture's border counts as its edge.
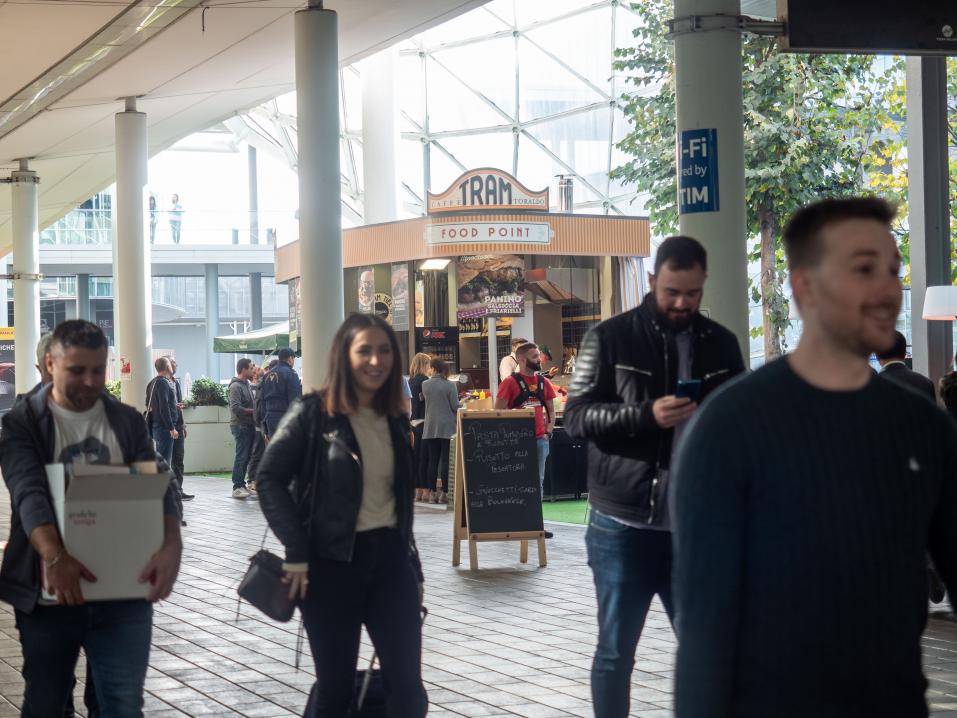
(209, 443)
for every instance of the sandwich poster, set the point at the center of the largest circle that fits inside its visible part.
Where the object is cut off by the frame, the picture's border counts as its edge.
(490, 285)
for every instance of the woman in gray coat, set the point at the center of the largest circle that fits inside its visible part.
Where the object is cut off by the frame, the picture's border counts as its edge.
(441, 404)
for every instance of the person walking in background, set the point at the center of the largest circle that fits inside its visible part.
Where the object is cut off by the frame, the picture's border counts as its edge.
(175, 218)
(419, 371)
(509, 363)
(259, 443)
(179, 445)
(441, 404)
(623, 401)
(280, 387)
(242, 424)
(349, 444)
(894, 368)
(806, 496)
(162, 413)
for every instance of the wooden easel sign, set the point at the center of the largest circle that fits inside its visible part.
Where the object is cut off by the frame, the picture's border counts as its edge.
(497, 493)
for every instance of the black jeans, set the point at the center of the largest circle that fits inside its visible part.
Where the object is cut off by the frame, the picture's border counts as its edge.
(379, 589)
(259, 446)
(418, 458)
(115, 635)
(437, 462)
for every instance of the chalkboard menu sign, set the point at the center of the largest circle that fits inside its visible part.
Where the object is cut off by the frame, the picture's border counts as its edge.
(500, 457)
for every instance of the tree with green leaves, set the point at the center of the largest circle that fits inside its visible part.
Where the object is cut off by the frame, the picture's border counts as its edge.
(814, 127)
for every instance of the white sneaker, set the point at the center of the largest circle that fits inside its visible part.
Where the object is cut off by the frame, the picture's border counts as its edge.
(240, 493)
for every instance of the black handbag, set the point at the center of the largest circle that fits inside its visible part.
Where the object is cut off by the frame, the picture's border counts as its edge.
(263, 586)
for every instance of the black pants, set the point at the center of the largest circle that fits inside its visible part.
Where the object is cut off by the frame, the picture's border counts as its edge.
(437, 462)
(379, 589)
(259, 446)
(418, 458)
(178, 465)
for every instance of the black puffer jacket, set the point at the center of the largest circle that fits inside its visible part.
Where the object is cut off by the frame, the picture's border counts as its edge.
(319, 455)
(624, 365)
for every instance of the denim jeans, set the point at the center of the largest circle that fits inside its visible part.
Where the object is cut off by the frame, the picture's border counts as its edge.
(244, 436)
(544, 446)
(115, 635)
(164, 443)
(629, 566)
(378, 588)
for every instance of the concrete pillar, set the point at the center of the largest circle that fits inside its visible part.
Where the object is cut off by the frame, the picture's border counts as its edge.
(929, 208)
(253, 196)
(132, 279)
(83, 297)
(708, 96)
(256, 300)
(5, 320)
(380, 185)
(26, 271)
(320, 211)
(212, 319)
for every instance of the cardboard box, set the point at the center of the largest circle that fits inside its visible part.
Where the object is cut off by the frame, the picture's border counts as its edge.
(111, 520)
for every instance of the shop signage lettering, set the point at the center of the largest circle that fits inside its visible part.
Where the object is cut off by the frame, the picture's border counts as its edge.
(484, 189)
(484, 232)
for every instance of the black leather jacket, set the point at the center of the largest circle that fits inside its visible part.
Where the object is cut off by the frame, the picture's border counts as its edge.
(624, 364)
(319, 455)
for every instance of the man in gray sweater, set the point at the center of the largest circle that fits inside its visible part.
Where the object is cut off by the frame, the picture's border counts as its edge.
(242, 424)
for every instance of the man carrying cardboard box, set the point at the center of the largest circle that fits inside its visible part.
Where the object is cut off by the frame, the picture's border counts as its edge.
(75, 420)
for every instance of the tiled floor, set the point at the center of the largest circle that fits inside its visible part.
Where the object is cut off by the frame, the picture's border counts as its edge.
(509, 640)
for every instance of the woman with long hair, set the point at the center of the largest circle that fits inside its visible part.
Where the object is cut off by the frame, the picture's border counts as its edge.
(419, 371)
(441, 405)
(336, 487)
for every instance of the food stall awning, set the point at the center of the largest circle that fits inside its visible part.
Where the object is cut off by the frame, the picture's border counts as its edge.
(262, 341)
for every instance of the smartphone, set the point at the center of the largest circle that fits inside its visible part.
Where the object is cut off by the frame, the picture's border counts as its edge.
(688, 389)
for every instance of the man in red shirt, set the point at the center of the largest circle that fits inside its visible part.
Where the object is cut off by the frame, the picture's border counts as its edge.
(528, 389)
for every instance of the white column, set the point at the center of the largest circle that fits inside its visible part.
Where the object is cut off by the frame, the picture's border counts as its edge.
(26, 271)
(929, 217)
(212, 319)
(379, 184)
(709, 96)
(132, 277)
(320, 238)
(493, 355)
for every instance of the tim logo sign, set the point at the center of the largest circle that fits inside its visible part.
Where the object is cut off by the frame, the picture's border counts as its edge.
(698, 171)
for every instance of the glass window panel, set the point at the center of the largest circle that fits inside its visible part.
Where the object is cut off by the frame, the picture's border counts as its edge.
(352, 100)
(591, 59)
(531, 11)
(411, 166)
(488, 68)
(546, 88)
(443, 170)
(581, 141)
(486, 150)
(410, 87)
(452, 106)
(471, 24)
(625, 24)
(287, 103)
(536, 169)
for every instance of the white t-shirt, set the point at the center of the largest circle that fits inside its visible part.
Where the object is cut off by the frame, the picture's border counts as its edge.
(378, 470)
(84, 437)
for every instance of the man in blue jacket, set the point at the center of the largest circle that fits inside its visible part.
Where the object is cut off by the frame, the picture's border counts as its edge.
(75, 420)
(280, 387)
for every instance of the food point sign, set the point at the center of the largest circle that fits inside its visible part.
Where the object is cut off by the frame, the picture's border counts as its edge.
(504, 232)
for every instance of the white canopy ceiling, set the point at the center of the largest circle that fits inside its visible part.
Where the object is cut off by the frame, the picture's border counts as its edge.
(68, 61)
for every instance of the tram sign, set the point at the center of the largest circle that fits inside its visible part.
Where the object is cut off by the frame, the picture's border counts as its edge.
(484, 189)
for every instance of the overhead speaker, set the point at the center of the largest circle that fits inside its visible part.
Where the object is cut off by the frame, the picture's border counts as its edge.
(889, 27)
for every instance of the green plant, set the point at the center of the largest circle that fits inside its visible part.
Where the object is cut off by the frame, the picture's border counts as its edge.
(114, 388)
(206, 392)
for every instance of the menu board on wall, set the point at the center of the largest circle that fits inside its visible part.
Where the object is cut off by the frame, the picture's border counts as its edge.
(400, 297)
(490, 285)
(295, 312)
(366, 290)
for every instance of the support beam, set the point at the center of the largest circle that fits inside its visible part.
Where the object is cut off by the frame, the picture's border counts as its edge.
(253, 195)
(26, 271)
(83, 297)
(709, 97)
(132, 280)
(256, 300)
(379, 179)
(320, 209)
(212, 319)
(929, 208)
(493, 377)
